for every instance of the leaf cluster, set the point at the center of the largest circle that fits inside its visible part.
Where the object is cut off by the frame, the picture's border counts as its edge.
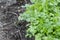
(44, 18)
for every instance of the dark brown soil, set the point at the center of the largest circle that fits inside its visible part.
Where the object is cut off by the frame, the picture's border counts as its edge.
(9, 18)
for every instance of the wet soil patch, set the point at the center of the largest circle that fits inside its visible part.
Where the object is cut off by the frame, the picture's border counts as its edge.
(9, 18)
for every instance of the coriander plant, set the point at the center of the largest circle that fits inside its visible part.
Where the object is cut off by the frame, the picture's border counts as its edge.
(44, 18)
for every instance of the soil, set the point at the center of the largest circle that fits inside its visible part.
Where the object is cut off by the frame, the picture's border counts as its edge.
(9, 29)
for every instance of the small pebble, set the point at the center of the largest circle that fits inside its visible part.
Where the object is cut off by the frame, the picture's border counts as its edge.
(19, 10)
(2, 7)
(18, 7)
